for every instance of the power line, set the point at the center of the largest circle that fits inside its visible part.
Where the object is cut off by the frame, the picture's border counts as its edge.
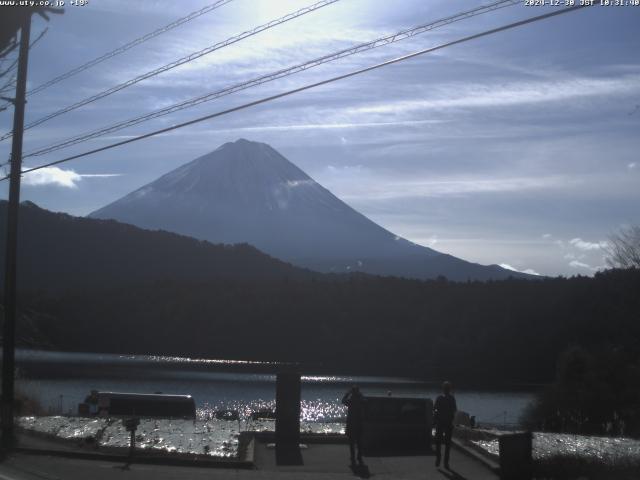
(401, 35)
(14, 63)
(11, 67)
(310, 86)
(39, 37)
(124, 48)
(10, 84)
(10, 48)
(176, 63)
(8, 87)
(131, 44)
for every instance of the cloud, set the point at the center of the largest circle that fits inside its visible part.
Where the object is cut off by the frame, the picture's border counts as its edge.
(52, 176)
(380, 190)
(298, 183)
(632, 165)
(346, 170)
(278, 48)
(577, 264)
(586, 246)
(431, 241)
(59, 177)
(329, 126)
(467, 95)
(530, 271)
(546, 236)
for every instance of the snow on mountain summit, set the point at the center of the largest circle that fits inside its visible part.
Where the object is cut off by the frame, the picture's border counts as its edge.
(245, 173)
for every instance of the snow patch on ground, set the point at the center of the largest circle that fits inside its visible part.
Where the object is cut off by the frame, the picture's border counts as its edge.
(212, 437)
(605, 450)
(68, 428)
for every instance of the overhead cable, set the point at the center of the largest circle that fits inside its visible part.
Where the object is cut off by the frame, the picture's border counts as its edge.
(123, 48)
(181, 61)
(14, 63)
(401, 35)
(127, 46)
(310, 86)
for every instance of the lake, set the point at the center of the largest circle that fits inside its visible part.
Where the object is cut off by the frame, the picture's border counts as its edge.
(60, 381)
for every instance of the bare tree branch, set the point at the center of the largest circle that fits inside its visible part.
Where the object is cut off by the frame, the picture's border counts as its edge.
(623, 250)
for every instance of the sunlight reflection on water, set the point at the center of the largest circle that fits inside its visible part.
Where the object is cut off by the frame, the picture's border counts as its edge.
(59, 381)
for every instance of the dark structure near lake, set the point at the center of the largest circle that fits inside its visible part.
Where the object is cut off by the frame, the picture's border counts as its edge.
(397, 425)
(288, 418)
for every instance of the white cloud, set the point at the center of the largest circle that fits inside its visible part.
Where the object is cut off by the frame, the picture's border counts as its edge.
(298, 183)
(100, 175)
(467, 95)
(586, 246)
(431, 241)
(530, 271)
(546, 236)
(329, 126)
(577, 264)
(52, 176)
(346, 169)
(58, 177)
(277, 48)
(381, 190)
(632, 165)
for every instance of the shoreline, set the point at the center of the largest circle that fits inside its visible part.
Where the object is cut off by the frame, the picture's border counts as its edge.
(47, 364)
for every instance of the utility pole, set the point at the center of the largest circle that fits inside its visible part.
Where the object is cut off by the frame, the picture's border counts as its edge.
(9, 327)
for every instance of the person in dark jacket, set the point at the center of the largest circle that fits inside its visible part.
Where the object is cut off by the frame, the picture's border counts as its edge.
(443, 411)
(354, 400)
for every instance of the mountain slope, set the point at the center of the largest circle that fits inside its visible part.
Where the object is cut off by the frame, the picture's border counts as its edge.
(60, 252)
(247, 192)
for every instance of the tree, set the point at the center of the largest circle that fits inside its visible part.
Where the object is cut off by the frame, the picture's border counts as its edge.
(623, 250)
(596, 391)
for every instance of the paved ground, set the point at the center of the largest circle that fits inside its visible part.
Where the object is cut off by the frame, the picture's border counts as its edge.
(331, 461)
(321, 461)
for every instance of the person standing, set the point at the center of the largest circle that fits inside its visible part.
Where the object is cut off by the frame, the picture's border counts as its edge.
(354, 400)
(443, 412)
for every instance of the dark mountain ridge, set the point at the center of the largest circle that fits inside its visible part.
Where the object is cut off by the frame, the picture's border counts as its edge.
(101, 286)
(58, 251)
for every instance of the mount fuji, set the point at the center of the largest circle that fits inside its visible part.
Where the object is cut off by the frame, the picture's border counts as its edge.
(247, 192)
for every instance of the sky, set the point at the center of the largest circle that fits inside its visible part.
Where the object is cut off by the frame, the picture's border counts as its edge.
(519, 149)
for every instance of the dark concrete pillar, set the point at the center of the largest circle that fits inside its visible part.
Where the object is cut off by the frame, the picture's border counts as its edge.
(288, 419)
(516, 456)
